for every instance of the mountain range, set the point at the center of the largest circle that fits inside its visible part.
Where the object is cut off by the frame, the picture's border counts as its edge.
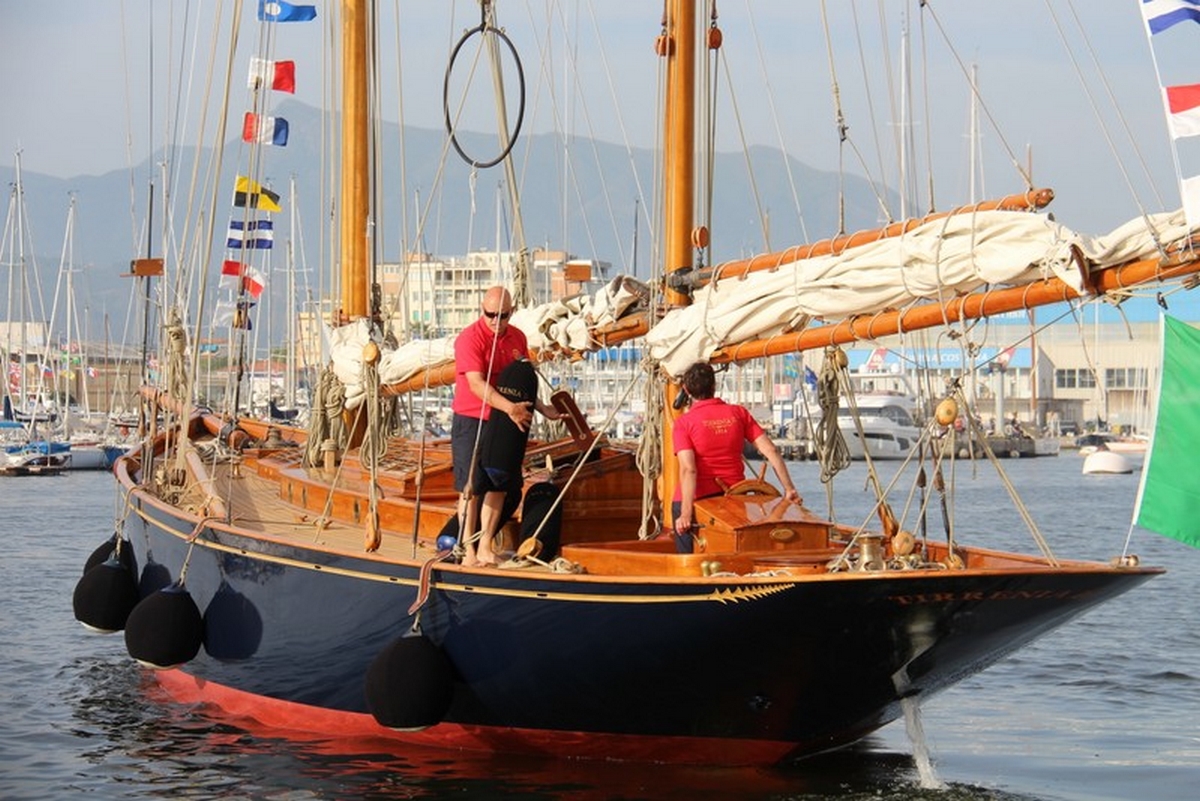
(579, 195)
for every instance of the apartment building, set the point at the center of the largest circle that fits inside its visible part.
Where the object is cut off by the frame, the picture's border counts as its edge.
(438, 296)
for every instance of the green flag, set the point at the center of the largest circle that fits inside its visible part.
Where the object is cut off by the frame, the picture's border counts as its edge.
(1169, 498)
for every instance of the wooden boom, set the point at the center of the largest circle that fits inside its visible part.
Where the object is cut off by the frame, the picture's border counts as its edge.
(1032, 200)
(971, 306)
(1180, 261)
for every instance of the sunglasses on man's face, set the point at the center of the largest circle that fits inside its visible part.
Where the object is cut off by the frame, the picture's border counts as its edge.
(491, 315)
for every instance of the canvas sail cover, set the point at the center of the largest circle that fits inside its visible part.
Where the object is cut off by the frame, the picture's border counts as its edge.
(939, 260)
(1169, 497)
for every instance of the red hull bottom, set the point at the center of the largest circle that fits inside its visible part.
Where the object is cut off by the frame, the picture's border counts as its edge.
(287, 716)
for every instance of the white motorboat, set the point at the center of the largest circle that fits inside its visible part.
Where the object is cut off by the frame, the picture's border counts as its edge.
(887, 414)
(1104, 440)
(1102, 461)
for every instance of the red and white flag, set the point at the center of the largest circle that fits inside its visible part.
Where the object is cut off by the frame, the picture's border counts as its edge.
(231, 275)
(1183, 109)
(277, 75)
(253, 282)
(241, 277)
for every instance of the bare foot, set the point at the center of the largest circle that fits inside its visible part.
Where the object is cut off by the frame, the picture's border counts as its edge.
(484, 552)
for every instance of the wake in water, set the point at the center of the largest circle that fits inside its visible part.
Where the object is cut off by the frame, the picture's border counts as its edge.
(916, 735)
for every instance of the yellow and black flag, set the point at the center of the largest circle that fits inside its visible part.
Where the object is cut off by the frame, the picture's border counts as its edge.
(253, 194)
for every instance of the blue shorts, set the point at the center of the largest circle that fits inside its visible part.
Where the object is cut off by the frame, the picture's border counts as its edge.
(463, 434)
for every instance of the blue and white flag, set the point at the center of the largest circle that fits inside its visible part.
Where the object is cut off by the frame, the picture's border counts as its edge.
(252, 235)
(1162, 14)
(264, 130)
(279, 11)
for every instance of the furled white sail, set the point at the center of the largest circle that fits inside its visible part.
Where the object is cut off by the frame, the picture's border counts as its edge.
(939, 260)
(935, 261)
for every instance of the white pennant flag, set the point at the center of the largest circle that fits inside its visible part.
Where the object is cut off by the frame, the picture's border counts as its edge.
(1189, 188)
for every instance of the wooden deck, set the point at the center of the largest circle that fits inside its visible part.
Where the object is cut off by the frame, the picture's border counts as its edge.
(269, 493)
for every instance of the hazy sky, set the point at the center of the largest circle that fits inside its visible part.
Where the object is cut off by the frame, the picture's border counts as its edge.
(74, 89)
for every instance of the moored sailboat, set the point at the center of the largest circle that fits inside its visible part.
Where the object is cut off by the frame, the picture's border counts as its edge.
(29, 413)
(305, 582)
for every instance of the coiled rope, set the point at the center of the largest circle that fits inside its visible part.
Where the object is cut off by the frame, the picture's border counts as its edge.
(649, 452)
(830, 445)
(177, 376)
(325, 421)
(373, 447)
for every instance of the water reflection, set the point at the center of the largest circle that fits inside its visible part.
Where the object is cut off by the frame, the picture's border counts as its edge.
(137, 736)
(1104, 708)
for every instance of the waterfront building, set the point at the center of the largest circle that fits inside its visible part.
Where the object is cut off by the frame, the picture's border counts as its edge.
(436, 296)
(1064, 378)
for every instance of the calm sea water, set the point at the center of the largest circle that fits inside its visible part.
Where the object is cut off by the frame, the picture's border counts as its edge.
(1105, 708)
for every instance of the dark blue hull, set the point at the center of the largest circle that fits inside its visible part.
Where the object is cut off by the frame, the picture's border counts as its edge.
(753, 666)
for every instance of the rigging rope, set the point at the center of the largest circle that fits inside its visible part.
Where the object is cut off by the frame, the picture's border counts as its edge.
(639, 195)
(928, 6)
(582, 461)
(762, 214)
(769, 91)
(1117, 109)
(843, 133)
(977, 433)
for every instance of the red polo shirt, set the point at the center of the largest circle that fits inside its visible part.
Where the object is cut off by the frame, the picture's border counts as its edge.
(715, 431)
(472, 352)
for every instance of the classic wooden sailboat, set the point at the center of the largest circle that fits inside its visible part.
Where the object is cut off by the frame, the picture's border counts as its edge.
(305, 585)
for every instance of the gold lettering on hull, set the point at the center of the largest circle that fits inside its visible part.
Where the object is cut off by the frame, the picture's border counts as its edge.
(978, 595)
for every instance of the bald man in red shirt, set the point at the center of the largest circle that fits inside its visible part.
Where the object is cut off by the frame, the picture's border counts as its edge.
(481, 352)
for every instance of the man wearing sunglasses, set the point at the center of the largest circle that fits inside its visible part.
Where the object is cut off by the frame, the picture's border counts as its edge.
(481, 352)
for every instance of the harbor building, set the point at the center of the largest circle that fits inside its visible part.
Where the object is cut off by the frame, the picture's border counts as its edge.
(1064, 378)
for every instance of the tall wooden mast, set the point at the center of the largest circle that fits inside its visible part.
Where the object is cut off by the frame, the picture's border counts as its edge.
(355, 177)
(356, 181)
(679, 146)
(678, 47)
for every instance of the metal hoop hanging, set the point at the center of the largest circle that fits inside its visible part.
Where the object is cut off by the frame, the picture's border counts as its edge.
(481, 29)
